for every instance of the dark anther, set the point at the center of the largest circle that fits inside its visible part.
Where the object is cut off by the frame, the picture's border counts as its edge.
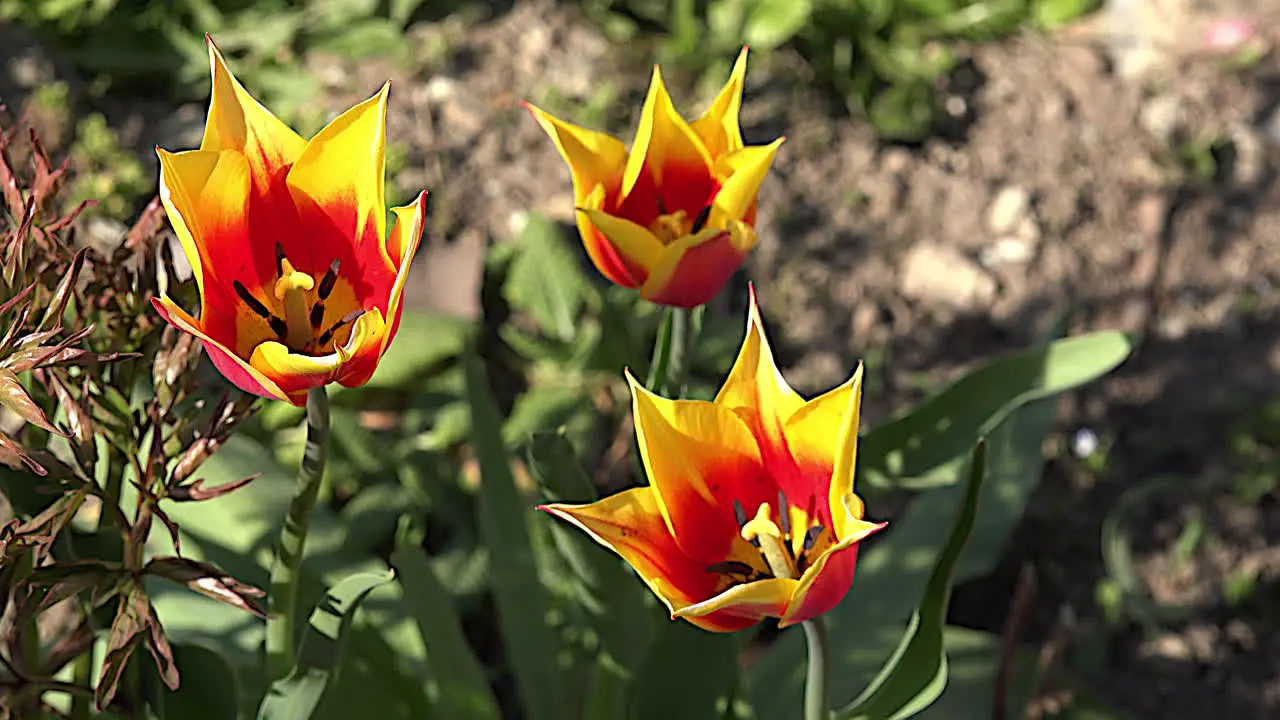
(327, 335)
(784, 515)
(731, 567)
(740, 513)
(278, 326)
(279, 259)
(701, 221)
(329, 280)
(662, 207)
(254, 303)
(317, 315)
(811, 537)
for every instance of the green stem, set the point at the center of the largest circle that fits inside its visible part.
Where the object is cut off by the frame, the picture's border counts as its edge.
(285, 571)
(673, 350)
(815, 685)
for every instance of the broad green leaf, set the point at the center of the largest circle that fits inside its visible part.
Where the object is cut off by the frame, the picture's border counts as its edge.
(521, 600)
(209, 690)
(423, 341)
(686, 672)
(925, 444)
(545, 279)
(543, 407)
(916, 673)
(461, 688)
(771, 23)
(296, 696)
(606, 589)
(895, 565)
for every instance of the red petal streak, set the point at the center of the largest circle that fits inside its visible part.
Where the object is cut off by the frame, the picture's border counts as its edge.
(700, 274)
(321, 238)
(611, 263)
(232, 368)
(829, 587)
(684, 186)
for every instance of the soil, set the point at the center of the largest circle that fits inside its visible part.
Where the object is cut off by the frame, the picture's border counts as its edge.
(1057, 188)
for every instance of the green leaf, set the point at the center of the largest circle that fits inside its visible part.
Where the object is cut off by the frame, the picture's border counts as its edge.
(296, 696)
(521, 600)
(545, 279)
(423, 341)
(1053, 14)
(462, 690)
(926, 445)
(893, 571)
(771, 23)
(606, 590)
(686, 673)
(209, 690)
(916, 673)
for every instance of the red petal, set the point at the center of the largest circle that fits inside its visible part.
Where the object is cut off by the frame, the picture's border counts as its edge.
(700, 274)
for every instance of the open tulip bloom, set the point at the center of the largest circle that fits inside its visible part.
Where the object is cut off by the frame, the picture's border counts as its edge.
(750, 510)
(299, 283)
(674, 216)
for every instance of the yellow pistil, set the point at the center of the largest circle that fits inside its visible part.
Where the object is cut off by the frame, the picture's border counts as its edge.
(669, 227)
(293, 290)
(765, 534)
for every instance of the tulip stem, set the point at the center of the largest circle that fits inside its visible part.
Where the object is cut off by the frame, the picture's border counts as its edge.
(673, 350)
(285, 571)
(815, 686)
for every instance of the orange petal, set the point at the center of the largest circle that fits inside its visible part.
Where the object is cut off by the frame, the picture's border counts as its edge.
(749, 601)
(666, 145)
(238, 122)
(700, 459)
(718, 127)
(296, 373)
(338, 187)
(694, 269)
(738, 194)
(823, 438)
(826, 582)
(631, 524)
(401, 247)
(234, 369)
(755, 384)
(594, 158)
(637, 246)
(204, 194)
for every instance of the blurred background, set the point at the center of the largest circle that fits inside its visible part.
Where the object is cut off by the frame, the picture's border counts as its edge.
(957, 176)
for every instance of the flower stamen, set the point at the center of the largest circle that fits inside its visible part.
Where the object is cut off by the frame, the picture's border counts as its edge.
(292, 289)
(765, 534)
(700, 221)
(257, 307)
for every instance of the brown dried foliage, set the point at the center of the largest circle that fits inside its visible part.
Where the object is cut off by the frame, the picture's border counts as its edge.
(96, 392)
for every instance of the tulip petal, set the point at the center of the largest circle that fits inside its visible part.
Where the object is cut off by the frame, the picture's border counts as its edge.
(338, 187)
(631, 524)
(823, 437)
(755, 384)
(635, 243)
(753, 601)
(718, 127)
(401, 248)
(296, 373)
(363, 349)
(700, 459)
(667, 149)
(240, 373)
(203, 193)
(604, 254)
(826, 582)
(594, 158)
(239, 122)
(693, 269)
(738, 192)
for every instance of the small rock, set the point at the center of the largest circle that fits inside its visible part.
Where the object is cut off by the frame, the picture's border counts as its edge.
(1006, 250)
(1170, 646)
(1161, 117)
(941, 275)
(1011, 206)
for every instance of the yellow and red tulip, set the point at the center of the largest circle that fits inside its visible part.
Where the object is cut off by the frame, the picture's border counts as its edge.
(300, 285)
(750, 510)
(673, 217)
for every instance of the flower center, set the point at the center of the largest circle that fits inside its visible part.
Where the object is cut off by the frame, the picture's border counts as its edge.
(300, 326)
(674, 225)
(779, 556)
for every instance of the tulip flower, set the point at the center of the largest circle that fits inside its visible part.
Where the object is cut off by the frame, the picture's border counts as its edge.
(674, 216)
(299, 283)
(750, 510)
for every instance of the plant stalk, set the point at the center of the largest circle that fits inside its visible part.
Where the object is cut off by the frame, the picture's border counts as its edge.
(815, 685)
(286, 570)
(673, 350)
